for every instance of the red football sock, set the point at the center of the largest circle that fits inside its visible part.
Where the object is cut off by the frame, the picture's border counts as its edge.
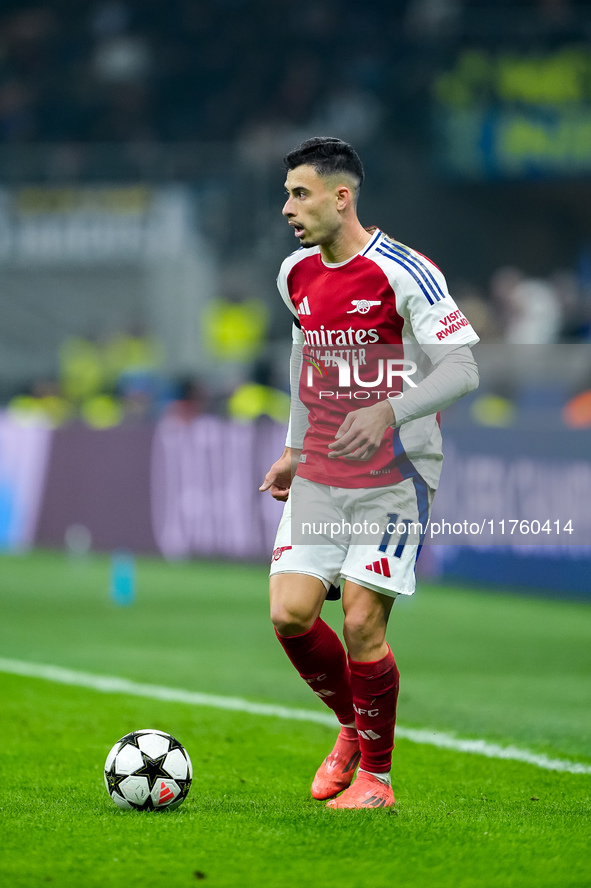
(320, 658)
(375, 692)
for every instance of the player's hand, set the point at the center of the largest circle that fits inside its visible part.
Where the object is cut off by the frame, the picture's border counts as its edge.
(362, 431)
(278, 478)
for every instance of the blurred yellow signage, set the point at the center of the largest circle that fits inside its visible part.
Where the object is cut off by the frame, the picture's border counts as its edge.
(510, 115)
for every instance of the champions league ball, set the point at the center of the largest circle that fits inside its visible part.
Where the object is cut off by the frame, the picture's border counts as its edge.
(148, 770)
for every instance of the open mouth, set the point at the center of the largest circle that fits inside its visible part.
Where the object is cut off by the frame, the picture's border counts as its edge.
(298, 229)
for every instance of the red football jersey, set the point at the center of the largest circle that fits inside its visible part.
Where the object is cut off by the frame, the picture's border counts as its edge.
(359, 322)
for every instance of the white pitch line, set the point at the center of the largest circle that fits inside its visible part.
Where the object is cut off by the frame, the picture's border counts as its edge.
(110, 685)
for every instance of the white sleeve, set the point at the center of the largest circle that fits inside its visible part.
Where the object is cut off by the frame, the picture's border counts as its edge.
(298, 414)
(434, 316)
(282, 284)
(455, 374)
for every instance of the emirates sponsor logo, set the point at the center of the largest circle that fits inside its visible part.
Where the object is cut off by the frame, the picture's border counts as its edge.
(341, 337)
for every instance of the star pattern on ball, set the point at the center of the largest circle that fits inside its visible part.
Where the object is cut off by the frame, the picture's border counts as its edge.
(153, 770)
(142, 755)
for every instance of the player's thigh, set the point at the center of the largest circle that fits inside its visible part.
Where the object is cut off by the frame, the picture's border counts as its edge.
(296, 601)
(314, 554)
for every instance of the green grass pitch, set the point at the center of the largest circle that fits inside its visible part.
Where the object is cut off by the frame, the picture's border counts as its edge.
(506, 669)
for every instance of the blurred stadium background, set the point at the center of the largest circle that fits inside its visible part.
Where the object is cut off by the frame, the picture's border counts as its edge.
(143, 347)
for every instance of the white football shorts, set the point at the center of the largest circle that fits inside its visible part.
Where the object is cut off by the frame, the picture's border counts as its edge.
(369, 535)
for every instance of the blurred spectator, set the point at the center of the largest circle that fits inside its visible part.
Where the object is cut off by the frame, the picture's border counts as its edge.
(234, 329)
(131, 354)
(265, 74)
(16, 117)
(576, 413)
(535, 313)
(495, 411)
(188, 401)
(44, 404)
(212, 70)
(502, 285)
(110, 19)
(430, 19)
(351, 114)
(259, 397)
(82, 370)
(473, 303)
(102, 411)
(121, 59)
(107, 383)
(251, 400)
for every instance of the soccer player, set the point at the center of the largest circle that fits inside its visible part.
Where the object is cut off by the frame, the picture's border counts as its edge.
(379, 347)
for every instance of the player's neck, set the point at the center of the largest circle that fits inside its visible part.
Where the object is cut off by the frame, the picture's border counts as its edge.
(351, 239)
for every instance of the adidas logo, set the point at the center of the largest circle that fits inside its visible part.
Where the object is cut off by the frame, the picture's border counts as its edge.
(369, 735)
(166, 794)
(303, 307)
(374, 802)
(380, 567)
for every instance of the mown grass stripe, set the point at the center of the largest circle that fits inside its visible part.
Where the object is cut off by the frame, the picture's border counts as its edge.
(113, 685)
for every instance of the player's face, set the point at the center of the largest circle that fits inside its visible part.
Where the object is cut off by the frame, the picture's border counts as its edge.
(311, 207)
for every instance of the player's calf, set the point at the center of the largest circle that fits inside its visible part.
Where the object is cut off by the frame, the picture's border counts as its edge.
(374, 689)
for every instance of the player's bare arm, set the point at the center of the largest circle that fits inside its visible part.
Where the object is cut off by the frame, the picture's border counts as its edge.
(362, 431)
(279, 477)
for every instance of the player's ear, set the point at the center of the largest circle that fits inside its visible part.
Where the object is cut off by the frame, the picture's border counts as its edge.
(343, 197)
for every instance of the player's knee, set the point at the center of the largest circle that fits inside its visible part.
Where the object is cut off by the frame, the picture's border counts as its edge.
(361, 627)
(289, 619)
(296, 602)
